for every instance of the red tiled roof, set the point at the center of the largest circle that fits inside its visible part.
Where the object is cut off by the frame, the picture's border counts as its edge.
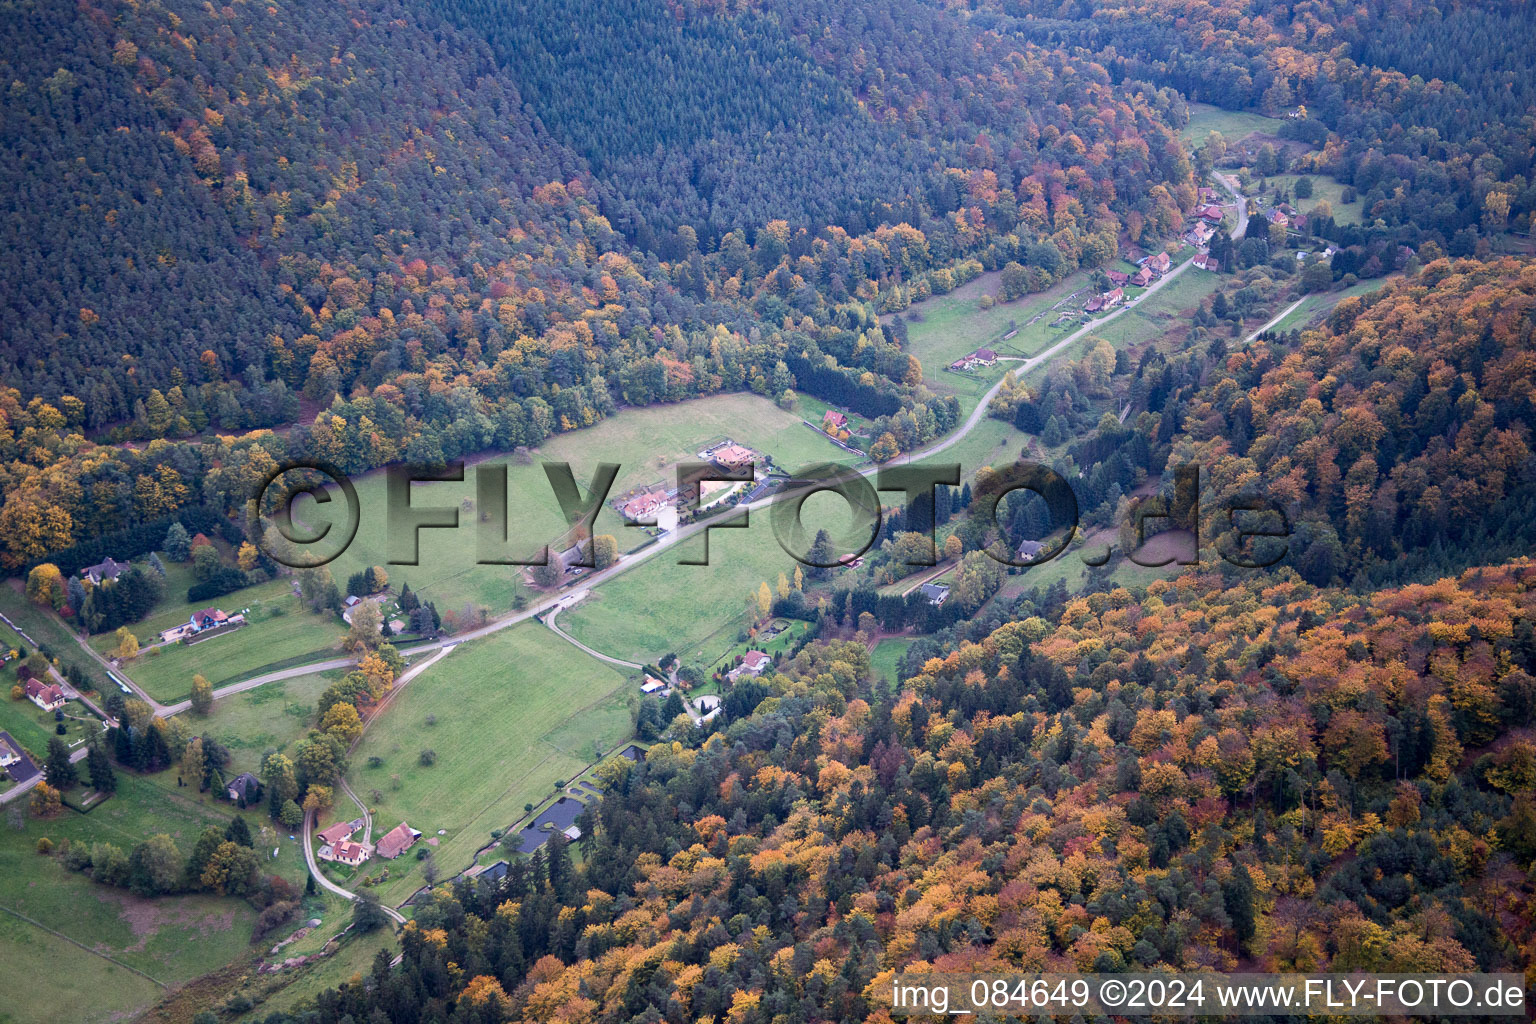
(397, 842)
(49, 692)
(336, 833)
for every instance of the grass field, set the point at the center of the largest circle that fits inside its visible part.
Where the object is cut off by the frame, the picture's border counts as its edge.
(646, 443)
(355, 957)
(885, 662)
(514, 712)
(1323, 187)
(172, 939)
(1233, 124)
(1155, 314)
(695, 611)
(279, 630)
(270, 717)
(33, 727)
(946, 327)
(48, 630)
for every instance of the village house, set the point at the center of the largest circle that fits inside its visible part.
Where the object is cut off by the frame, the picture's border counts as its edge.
(1205, 261)
(105, 571)
(400, 838)
(244, 789)
(9, 755)
(48, 696)
(834, 421)
(1118, 278)
(734, 457)
(349, 853)
(335, 833)
(1160, 263)
(1209, 213)
(1279, 218)
(650, 686)
(1207, 194)
(1030, 548)
(936, 593)
(645, 505)
(752, 664)
(1142, 277)
(1107, 300)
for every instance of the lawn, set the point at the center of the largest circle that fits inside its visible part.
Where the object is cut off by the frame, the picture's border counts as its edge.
(1151, 316)
(270, 717)
(171, 939)
(33, 727)
(885, 662)
(646, 443)
(49, 631)
(514, 713)
(1232, 124)
(695, 611)
(788, 633)
(1316, 306)
(279, 630)
(1323, 187)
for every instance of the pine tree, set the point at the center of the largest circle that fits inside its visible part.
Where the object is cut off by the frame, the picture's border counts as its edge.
(103, 778)
(60, 770)
(178, 543)
(238, 831)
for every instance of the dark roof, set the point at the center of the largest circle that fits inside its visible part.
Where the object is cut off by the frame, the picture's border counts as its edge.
(107, 569)
(244, 784)
(934, 592)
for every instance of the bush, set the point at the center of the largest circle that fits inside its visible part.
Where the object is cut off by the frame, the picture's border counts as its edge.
(427, 757)
(44, 845)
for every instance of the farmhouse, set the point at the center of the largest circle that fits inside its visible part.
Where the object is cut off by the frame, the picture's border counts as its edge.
(971, 360)
(1209, 213)
(400, 839)
(1030, 548)
(1118, 278)
(333, 834)
(244, 788)
(48, 696)
(1142, 277)
(752, 664)
(936, 593)
(1107, 300)
(645, 505)
(348, 852)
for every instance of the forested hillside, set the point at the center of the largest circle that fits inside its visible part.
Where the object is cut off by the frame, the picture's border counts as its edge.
(1268, 776)
(1426, 108)
(354, 205)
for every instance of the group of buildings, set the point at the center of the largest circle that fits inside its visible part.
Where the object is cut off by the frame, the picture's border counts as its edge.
(971, 360)
(337, 845)
(657, 504)
(208, 621)
(1150, 269)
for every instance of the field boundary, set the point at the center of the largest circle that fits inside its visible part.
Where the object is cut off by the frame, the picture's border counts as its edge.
(88, 949)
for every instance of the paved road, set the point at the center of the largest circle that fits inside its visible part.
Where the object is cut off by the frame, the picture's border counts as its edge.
(1242, 203)
(15, 792)
(630, 561)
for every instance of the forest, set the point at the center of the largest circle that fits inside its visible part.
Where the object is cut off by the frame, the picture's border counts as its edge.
(370, 232)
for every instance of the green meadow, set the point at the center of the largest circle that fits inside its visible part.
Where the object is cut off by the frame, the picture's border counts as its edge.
(507, 716)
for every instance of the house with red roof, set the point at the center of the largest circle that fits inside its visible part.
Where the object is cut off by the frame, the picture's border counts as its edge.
(48, 696)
